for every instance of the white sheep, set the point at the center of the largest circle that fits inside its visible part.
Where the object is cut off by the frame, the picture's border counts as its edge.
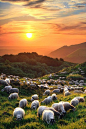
(18, 113)
(47, 100)
(13, 96)
(67, 93)
(42, 108)
(23, 103)
(59, 107)
(48, 116)
(3, 82)
(47, 92)
(67, 106)
(56, 91)
(81, 99)
(13, 90)
(7, 80)
(34, 97)
(74, 102)
(7, 89)
(35, 104)
(54, 97)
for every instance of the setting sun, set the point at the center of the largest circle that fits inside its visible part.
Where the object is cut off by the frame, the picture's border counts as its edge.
(29, 35)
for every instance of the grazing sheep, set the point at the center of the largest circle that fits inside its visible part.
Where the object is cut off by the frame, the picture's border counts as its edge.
(59, 107)
(35, 104)
(67, 93)
(78, 91)
(18, 113)
(42, 108)
(68, 106)
(56, 91)
(48, 116)
(7, 80)
(74, 102)
(47, 92)
(23, 103)
(3, 82)
(14, 90)
(13, 96)
(7, 89)
(54, 97)
(81, 99)
(47, 100)
(34, 97)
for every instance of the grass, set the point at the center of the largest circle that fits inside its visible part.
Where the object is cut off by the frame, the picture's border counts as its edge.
(72, 120)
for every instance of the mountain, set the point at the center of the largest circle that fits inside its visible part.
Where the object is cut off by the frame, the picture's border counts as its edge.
(74, 53)
(77, 56)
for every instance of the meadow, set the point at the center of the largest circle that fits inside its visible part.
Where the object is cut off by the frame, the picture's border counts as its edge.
(72, 120)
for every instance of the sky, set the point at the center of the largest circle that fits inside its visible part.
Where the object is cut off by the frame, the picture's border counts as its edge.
(53, 23)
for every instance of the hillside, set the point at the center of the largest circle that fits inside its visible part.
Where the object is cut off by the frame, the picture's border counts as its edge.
(30, 64)
(78, 56)
(72, 119)
(65, 51)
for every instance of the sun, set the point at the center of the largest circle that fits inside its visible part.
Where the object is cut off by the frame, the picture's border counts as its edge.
(29, 35)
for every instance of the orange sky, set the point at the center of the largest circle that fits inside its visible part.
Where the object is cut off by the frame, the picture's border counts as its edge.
(52, 23)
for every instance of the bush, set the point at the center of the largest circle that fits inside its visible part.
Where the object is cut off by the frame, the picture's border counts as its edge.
(74, 77)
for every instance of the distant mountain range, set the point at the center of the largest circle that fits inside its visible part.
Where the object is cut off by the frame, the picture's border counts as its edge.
(74, 53)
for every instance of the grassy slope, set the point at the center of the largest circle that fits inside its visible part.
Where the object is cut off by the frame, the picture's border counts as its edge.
(78, 56)
(72, 120)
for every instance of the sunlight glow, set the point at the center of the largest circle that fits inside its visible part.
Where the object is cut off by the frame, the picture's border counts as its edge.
(29, 35)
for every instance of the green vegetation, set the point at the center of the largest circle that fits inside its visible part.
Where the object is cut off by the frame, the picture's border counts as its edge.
(74, 77)
(30, 64)
(72, 120)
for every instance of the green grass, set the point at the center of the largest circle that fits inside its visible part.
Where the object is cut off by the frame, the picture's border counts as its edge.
(72, 120)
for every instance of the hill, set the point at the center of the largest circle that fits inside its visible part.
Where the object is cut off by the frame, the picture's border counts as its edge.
(71, 120)
(65, 51)
(30, 64)
(78, 56)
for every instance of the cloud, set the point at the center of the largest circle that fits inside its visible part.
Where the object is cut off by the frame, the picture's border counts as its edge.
(34, 2)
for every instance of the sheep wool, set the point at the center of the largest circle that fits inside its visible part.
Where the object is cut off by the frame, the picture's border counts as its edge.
(18, 113)
(48, 116)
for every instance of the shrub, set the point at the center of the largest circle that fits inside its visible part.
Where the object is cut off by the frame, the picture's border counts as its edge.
(74, 77)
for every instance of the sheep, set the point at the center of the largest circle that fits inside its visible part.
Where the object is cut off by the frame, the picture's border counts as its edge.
(7, 89)
(14, 90)
(59, 107)
(67, 93)
(56, 91)
(74, 102)
(78, 91)
(23, 103)
(7, 80)
(54, 97)
(47, 100)
(67, 106)
(47, 92)
(81, 99)
(48, 116)
(18, 113)
(3, 82)
(42, 108)
(34, 97)
(13, 96)
(35, 104)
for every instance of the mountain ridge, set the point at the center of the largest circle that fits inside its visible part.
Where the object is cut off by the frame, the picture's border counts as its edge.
(64, 51)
